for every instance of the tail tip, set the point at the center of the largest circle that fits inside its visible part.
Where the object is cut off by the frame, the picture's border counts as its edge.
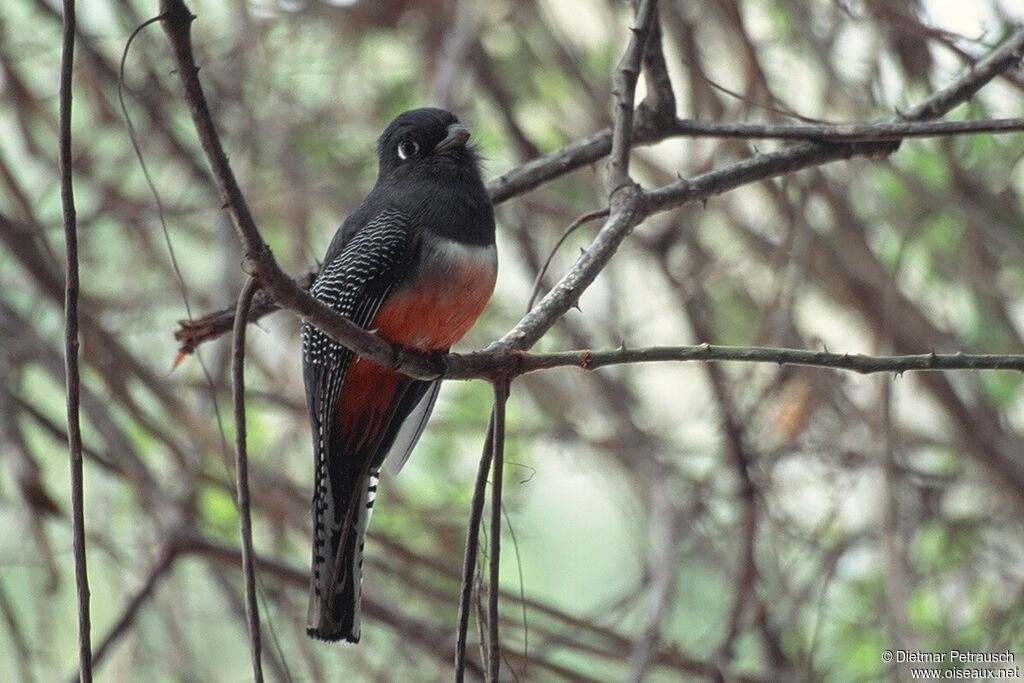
(332, 635)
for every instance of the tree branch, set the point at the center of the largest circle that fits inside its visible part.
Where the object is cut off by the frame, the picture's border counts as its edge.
(476, 510)
(71, 287)
(493, 592)
(632, 206)
(624, 87)
(252, 611)
(878, 131)
(514, 363)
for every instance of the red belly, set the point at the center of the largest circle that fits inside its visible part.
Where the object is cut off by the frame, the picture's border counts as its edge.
(431, 313)
(426, 315)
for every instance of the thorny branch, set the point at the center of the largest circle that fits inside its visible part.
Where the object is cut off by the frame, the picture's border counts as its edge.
(624, 88)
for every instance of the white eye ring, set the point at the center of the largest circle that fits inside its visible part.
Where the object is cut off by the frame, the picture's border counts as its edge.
(407, 148)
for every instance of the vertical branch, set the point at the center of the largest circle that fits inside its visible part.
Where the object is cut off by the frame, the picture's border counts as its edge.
(242, 472)
(476, 509)
(498, 459)
(72, 378)
(626, 74)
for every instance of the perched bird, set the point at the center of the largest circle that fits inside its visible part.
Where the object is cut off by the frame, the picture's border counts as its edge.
(416, 263)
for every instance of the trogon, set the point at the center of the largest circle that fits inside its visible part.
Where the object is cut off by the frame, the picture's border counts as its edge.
(415, 263)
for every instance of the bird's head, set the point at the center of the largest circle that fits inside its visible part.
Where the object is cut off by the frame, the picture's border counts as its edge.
(424, 140)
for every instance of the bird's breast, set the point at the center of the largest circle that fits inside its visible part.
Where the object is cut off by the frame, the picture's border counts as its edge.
(447, 293)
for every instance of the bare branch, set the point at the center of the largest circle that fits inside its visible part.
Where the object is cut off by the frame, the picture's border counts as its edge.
(658, 108)
(71, 343)
(572, 227)
(476, 510)
(879, 131)
(498, 457)
(252, 611)
(624, 87)
(810, 154)
(516, 363)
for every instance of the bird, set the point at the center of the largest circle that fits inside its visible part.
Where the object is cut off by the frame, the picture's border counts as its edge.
(416, 263)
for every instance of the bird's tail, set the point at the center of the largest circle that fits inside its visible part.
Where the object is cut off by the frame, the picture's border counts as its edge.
(334, 612)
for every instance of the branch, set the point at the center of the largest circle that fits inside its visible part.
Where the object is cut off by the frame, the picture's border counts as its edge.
(878, 131)
(67, 196)
(633, 206)
(252, 611)
(624, 87)
(476, 510)
(192, 333)
(498, 457)
(659, 106)
(513, 363)
(812, 154)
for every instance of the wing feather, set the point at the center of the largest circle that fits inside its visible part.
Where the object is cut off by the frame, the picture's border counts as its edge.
(355, 283)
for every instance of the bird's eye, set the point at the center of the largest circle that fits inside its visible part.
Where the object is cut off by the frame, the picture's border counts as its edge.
(407, 148)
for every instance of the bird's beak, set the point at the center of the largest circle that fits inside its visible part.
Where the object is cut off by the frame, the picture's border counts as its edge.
(457, 135)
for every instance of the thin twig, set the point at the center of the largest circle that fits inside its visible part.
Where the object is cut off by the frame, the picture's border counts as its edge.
(476, 510)
(242, 473)
(71, 288)
(576, 224)
(498, 463)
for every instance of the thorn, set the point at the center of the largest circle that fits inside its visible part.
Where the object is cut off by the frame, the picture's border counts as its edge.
(178, 359)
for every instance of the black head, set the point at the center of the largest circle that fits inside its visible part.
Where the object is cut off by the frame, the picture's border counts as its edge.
(425, 140)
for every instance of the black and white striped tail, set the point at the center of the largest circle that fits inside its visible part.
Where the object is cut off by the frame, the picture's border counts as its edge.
(336, 616)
